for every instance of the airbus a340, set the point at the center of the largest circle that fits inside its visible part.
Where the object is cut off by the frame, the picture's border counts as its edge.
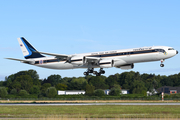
(123, 59)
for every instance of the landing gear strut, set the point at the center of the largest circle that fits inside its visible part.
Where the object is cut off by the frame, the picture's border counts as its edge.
(162, 65)
(91, 70)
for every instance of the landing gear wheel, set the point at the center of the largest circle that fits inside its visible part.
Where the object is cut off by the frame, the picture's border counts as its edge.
(98, 74)
(90, 71)
(102, 72)
(162, 65)
(86, 73)
(95, 72)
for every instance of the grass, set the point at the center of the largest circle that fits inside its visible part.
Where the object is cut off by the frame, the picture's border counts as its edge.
(105, 111)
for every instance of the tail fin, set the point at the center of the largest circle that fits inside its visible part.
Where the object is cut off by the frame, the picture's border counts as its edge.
(28, 50)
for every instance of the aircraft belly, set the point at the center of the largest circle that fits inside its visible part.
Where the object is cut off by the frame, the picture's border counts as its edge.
(140, 58)
(57, 65)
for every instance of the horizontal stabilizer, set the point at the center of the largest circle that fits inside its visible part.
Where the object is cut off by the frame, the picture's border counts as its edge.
(16, 59)
(23, 61)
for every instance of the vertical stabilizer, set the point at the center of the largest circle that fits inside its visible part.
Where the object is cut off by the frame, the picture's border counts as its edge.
(27, 49)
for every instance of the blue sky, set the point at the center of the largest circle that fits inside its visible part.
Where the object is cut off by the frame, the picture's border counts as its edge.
(80, 26)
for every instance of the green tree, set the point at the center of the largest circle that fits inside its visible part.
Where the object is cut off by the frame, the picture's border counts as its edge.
(21, 80)
(138, 87)
(78, 83)
(115, 91)
(3, 92)
(99, 92)
(98, 82)
(46, 85)
(1, 83)
(16, 85)
(89, 90)
(54, 79)
(35, 90)
(126, 79)
(111, 80)
(34, 76)
(26, 82)
(61, 86)
(44, 88)
(8, 81)
(14, 91)
(51, 92)
(23, 93)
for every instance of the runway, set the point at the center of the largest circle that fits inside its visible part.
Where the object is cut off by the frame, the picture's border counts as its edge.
(76, 104)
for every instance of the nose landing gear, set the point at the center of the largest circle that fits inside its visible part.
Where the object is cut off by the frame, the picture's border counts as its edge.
(162, 65)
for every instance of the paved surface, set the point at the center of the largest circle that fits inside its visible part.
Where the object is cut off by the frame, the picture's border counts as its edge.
(60, 104)
(90, 119)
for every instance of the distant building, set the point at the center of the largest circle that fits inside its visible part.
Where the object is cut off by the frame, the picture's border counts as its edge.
(123, 91)
(169, 90)
(61, 92)
(76, 92)
(71, 92)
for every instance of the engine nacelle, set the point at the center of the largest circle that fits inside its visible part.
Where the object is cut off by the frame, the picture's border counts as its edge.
(106, 63)
(128, 66)
(119, 63)
(77, 60)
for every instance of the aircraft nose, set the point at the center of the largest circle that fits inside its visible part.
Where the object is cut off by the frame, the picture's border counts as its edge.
(176, 52)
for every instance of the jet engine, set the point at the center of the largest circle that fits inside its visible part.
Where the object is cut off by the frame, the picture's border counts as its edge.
(118, 63)
(77, 60)
(127, 66)
(106, 63)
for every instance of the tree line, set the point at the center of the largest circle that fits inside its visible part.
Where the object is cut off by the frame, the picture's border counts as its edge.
(25, 83)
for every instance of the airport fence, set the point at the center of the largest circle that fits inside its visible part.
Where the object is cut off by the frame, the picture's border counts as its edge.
(74, 99)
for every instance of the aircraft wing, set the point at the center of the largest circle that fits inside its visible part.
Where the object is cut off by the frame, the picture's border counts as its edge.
(57, 55)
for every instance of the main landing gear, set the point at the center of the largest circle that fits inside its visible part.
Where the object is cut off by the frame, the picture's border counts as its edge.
(91, 70)
(162, 65)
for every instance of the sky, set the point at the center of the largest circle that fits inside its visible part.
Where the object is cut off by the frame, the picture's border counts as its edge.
(82, 26)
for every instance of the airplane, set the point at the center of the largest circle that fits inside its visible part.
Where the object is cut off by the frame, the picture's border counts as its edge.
(123, 59)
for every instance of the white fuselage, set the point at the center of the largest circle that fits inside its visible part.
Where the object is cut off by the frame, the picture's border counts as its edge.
(114, 58)
(123, 59)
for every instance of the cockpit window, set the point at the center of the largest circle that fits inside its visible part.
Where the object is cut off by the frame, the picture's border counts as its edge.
(170, 48)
